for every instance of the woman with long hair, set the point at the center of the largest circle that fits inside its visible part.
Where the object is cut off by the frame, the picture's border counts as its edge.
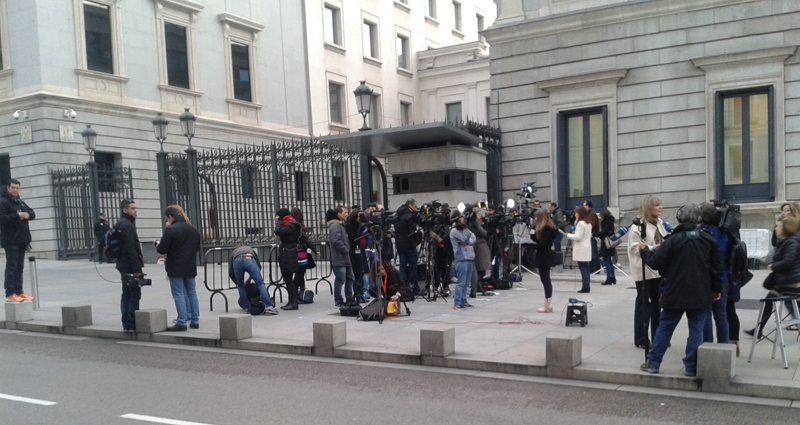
(289, 232)
(544, 235)
(647, 281)
(357, 245)
(607, 253)
(302, 252)
(581, 248)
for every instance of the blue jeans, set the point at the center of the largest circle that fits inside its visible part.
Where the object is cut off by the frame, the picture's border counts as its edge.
(719, 312)
(344, 276)
(372, 258)
(183, 293)
(408, 267)
(463, 271)
(667, 324)
(242, 265)
(129, 302)
(583, 266)
(15, 262)
(557, 242)
(607, 261)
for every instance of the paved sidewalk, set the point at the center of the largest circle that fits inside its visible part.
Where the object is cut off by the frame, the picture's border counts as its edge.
(505, 328)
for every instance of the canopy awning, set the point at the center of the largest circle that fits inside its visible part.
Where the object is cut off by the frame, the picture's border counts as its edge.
(388, 140)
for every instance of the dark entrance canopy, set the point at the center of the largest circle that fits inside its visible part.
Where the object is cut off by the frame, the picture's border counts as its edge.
(388, 140)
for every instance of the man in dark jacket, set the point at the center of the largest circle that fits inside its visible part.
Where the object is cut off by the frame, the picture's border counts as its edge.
(130, 262)
(692, 266)
(405, 229)
(15, 236)
(181, 243)
(101, 228)
(557, 215)
(340, 256)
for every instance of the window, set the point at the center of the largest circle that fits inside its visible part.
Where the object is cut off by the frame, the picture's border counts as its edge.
(582, 155)
(374, 119)
(177, 55)
(1, 55)
(370, 37)
(337, 171)
(333, 25)
(106, 165)
(97, 24)
(480, 28)
(302, 185)
(457, 16)
(249, 177)
(488, 115)
(5, 169)
(433, 181)
(405, 113)
(744, 144)
(240, 60)
(431, 9)
(335, 98)
(402, 52)
(453, 112)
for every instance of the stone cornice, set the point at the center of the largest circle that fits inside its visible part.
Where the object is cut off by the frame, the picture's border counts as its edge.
(239, 22)
(777, 54)
(186, 5)
(557, 84)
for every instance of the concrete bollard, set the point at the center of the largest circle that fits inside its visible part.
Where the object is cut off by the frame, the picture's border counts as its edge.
(235, 327)
(19, 312)
(77, 315)
(562, 353)
(151, 320)
(329, 334)
(437, 341)
(716, 366)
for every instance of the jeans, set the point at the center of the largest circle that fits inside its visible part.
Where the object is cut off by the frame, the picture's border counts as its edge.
(544, 275)
(719, 311)
(557, 242)
(372, 258)
(669, 321)
(129, 302)
(648, 290)
(183, 288)
(607, 261)
(15, 262)
(583, 266)
(242, 265)
(344, 276)
(408, 267)
(463, 271)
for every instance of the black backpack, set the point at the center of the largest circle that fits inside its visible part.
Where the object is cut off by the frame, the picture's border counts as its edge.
(111, 240)
(737, 257)
(375, 310)
(257, 306)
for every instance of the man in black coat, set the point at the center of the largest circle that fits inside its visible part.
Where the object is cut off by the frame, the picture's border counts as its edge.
(405, 230)
(181, 243)
(691, 264)
(130, 262)
(15, 236)
(101, 228)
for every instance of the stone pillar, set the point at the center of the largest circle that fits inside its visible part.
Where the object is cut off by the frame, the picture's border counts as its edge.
(716, 366)
(151, 320)
(438, 341)
(235, 327)
(563, 352)
(19, 312)
(329, 334)
(76, 315)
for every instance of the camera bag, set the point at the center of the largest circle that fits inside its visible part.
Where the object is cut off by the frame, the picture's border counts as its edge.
(306, 297)
(350, 309)
(375, 310)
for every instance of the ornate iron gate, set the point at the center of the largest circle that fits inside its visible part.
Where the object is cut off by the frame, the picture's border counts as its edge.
(80, 193)
(239, 190)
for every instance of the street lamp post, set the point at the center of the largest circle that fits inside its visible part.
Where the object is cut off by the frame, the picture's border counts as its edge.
(89, 140)
(188, 121)
(160, 125)
(90, 144)
(363, 101)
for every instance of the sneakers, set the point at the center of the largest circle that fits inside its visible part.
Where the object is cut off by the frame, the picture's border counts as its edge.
(270, 311)
(647, 367)
(25, 297)
(465, 305)
(338, 303)
(458, 307)
(690, 372)
(14, 298)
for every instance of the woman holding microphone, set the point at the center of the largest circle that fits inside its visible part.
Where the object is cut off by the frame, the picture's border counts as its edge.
(582, 248)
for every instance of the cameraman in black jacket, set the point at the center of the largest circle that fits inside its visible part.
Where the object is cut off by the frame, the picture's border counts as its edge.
(405, 229)
(130, 261)
(691, 262)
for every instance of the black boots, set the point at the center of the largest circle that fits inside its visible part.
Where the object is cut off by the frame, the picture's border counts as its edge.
(610, 281)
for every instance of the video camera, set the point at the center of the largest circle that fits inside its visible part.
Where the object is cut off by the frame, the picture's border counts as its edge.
(136, 280)
(729, 216)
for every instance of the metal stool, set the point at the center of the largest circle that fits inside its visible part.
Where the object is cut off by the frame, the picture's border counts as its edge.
(780, 322)
(576, 313)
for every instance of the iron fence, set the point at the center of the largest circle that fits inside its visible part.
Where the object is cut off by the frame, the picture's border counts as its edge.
(80, 193)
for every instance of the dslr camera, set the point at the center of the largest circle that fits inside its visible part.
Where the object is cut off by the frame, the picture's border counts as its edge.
(136, 280)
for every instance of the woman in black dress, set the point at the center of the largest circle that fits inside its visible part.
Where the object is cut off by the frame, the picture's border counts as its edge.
(544, 235)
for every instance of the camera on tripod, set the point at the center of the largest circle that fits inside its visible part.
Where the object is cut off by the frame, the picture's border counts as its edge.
(136, 280)
(729, 216)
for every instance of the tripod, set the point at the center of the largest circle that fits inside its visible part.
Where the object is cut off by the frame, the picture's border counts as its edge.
(435, 281)
(613, 263)
(520, 240)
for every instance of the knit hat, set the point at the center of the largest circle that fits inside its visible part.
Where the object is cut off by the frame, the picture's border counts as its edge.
(283, 212)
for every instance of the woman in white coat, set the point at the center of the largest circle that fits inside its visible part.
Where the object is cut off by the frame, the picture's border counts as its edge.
(581, 247)
(647, 284)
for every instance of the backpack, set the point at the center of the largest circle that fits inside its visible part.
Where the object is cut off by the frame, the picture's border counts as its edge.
(305, 297)
(111, 240)
(373, 311)
(737, 257)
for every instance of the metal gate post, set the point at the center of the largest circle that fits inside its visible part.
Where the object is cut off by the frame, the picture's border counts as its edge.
(94, 188)
(276, 194)
(161, 161)
(364, 168)
(194, 194)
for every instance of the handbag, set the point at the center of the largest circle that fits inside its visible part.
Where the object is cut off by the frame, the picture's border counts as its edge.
(747, 276)
(310, 262)
(769, 282)
(393, 308)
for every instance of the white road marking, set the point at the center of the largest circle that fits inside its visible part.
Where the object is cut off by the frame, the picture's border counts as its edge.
(158, 420)
(27, 400)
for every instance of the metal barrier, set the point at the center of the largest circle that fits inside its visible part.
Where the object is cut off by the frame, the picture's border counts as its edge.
(217, 262)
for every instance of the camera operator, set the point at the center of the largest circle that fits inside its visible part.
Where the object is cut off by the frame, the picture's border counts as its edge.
(357, 246)
(494, 223)
(438, 235)
(483, 256)
(130, 262)
(181, 243)
(370, 234)
(405, 229)
(557, 215)
(462, 241)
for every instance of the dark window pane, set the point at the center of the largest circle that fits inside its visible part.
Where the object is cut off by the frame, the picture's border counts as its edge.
(5, 169)
(583, 155)
(97, 19)
(105, 171)
(335, 94)
(240, 57)
(1, 57)
(177, 57)
(433, 181)
(337, 168)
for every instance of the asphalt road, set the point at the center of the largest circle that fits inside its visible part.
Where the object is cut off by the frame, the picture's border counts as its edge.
(97, 381)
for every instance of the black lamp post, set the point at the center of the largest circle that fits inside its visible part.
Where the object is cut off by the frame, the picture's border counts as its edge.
(89, 140)
(363, 101)
(188, 121)
(160, 125)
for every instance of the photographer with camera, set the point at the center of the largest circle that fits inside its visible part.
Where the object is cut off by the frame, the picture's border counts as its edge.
(181, 243)
(407, 238)
(494, 224)
(129, 263)
(483, 256)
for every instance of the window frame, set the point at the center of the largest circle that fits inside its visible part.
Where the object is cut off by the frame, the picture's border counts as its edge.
(336, 22)
(430, 10)
(245, 49)
(460, 114)
(481, 22)
(241, 31)
(458, 23)
(115, 26)
(405, 108)
(341, 102)
(562, 156)
(745, 192)
(404, 42)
